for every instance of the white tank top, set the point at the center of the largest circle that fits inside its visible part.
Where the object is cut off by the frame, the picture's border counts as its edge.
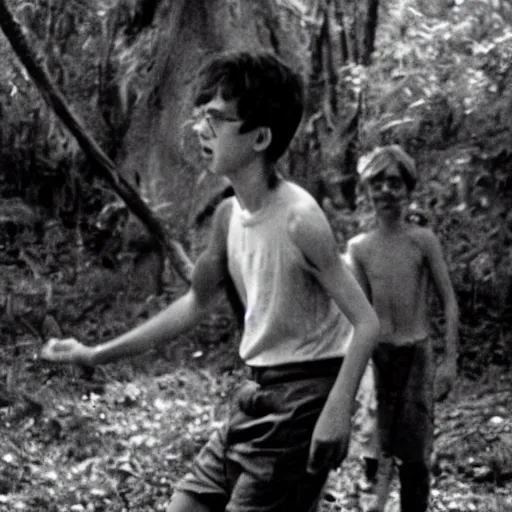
(289, 317)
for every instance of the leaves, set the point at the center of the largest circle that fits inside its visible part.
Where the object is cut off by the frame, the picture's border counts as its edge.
(122, 439)
(454, 55)
(471, 461)
(128, 445)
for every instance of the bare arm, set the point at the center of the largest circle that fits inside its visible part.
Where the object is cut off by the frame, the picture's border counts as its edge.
(445, 291)
(165, 325)
(208, 277)
(353, 260)
(183, 313)
(312, 234)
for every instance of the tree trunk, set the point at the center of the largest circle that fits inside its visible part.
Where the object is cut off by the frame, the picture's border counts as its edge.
(104, 167)
(369, 30)
(157, 147)
(329, 145)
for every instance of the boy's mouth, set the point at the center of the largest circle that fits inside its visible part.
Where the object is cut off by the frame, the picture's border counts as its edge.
(388, 198)
(386, 203)
(206, 152)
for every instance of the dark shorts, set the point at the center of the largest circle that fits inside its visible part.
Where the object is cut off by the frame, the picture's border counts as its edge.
(404, 378)
(257, 460)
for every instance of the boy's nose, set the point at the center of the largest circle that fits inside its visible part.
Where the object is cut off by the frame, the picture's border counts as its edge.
(199, 125)
(387, 188)
(202, 128)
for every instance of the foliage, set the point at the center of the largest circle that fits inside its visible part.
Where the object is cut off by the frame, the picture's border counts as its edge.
(121, 439)
(436, 74)
(91, 56)
(438, 83)
(117, 447)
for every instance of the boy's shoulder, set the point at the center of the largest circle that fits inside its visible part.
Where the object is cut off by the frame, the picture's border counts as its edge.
(422, 235)
(419, 235)
(307, 225)
(423, 239)
(360, 247)
(300, 204)
(298, 193)
(222, 214)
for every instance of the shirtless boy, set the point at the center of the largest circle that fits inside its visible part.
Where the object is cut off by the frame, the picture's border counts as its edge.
(396, 263)
(290, 424)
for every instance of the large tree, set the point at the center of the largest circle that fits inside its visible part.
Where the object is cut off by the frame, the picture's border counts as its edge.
(157, 150)
(341, 45)
(104, 166)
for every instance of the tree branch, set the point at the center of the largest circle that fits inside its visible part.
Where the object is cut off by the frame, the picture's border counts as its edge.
(104, 167)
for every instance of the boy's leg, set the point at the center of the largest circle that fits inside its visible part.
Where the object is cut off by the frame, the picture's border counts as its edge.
(282, 494)
(388, 385)
(251, 494)
(405, 376)
(206, 487)
(414, 486)
(416, 430)
(185, 502)
(383, 482)
(257, 461)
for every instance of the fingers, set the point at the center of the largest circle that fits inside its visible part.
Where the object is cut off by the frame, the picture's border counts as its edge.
(325, 456)
(56, 350)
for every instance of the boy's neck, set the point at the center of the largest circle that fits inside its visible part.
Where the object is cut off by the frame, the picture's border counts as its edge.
(251, 186)
(390, 223)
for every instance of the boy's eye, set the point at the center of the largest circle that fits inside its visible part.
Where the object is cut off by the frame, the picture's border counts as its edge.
(215, 115)
(392, 182)
(376, 182)
(214, 119)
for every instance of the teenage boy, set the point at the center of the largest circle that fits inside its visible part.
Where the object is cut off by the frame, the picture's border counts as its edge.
(396, 263)
(290, 424)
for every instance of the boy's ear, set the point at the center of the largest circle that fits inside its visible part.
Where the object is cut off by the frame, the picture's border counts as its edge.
(263, 138)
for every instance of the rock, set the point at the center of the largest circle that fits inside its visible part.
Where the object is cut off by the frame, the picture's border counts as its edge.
(482, 473)
(496, 420)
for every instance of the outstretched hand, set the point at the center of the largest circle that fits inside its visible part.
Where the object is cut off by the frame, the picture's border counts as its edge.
(67, 350)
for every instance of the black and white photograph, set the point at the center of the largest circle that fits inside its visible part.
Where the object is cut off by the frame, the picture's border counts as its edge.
(256, 256)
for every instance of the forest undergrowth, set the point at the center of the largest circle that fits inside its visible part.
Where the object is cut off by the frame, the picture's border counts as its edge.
(119, 437)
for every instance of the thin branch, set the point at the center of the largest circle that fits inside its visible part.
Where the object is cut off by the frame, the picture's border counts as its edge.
(104, 167)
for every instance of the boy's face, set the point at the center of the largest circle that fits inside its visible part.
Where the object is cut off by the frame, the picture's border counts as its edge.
(223, 148)
(387, 190)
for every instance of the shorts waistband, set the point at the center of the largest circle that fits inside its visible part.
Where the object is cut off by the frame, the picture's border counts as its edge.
(404, 344)
(265, 375)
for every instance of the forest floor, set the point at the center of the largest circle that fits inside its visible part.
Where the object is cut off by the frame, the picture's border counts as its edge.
(119, 438)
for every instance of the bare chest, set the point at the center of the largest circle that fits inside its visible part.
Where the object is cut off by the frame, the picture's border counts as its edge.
(400, 263)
